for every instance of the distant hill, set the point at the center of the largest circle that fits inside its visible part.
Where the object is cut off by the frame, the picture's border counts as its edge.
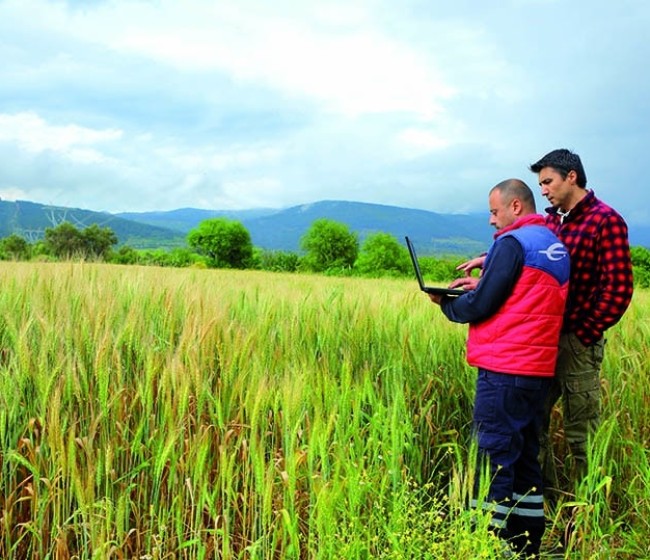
(432, 233)
(30, 219)
(185, 219)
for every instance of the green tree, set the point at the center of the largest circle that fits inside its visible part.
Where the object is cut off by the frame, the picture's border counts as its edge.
(125, 255)
(329, 245)
(97, 241)
(226, 243)
(40, 250)
(15, 247)
(641, 265)
(153, 257)
(381, 254)
(64, 241)
(640, 257)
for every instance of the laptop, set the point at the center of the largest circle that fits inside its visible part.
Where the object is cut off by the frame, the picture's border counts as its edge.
(418, 274)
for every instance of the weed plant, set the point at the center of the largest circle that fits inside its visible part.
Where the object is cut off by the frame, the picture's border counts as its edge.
(175, 413)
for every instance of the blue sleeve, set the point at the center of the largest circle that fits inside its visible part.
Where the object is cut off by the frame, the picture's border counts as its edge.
(502, 269)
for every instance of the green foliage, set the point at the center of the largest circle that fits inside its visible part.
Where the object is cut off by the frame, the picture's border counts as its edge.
(329, 245)
(226, 243)
(153, 257)
(641, 266)
(15, 248)
(65, 241)
(276, 261)
(182, 257)
(641, 277)
(125, 255)
(640, 257)
(382, 254)
(177, 258)
(439, 269)
(97, 241)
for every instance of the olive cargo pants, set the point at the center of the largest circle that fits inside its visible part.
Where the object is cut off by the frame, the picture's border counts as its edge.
(577, 382)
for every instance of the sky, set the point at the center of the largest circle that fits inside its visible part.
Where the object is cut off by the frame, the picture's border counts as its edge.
(143, 105)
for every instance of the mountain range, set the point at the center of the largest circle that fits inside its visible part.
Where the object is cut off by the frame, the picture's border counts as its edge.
(282, 229)
(273, 229)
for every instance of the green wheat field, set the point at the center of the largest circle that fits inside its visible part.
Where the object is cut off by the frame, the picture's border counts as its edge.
(150, 413)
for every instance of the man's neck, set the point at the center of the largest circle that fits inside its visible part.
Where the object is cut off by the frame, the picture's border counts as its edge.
(577, 195)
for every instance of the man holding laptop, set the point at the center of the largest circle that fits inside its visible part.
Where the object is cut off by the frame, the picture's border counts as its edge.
(515, 316)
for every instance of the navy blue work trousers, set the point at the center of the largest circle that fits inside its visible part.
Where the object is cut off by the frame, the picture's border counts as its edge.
(508, 415)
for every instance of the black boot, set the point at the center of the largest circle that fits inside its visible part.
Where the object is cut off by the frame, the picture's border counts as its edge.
(527, 535)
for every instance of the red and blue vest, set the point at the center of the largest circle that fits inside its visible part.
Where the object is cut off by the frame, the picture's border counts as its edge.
(522, 337)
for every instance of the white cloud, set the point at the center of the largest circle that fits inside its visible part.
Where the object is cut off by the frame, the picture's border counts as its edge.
(159, 104)
(32, 134)
(12, 193)
(335, 55)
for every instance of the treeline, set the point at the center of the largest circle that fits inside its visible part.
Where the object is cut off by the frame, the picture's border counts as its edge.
(328, 247)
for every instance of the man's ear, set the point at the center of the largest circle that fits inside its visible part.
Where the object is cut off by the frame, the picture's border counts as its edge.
(517, 207)
(572, 176)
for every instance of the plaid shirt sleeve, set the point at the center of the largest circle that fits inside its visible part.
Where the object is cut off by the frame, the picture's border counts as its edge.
(614, 280)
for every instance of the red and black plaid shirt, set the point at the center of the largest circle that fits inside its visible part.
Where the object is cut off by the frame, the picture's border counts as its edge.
(600, 287)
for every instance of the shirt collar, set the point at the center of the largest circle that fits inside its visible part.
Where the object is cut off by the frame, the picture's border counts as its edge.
(527, 220)
(578, 209)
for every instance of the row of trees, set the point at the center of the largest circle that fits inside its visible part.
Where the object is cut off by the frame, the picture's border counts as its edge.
(327, 247)
(64, 242)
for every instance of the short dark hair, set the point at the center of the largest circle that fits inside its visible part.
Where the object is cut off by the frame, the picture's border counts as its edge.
(563, 161)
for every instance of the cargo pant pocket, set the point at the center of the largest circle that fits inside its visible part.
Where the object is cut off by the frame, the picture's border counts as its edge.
(586, 357)
(583, 398)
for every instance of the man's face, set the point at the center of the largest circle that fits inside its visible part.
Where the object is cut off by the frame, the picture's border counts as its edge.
(501, 213)
(556, 189)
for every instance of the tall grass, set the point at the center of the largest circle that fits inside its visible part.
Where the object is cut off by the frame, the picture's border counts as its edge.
(150, 413)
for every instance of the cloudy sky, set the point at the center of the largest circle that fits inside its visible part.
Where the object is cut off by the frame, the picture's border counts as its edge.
(136, 105)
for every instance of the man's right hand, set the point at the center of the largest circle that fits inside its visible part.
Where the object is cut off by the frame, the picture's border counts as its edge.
(468, 266)
(467, 283)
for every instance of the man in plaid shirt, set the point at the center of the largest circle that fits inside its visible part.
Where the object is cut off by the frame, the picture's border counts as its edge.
(600, 290)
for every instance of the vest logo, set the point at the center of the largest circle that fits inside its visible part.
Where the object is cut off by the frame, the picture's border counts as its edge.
(555, 252)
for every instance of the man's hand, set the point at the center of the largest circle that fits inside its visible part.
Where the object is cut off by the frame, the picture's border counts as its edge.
(468, 266)
(467, 283)
(435, 298)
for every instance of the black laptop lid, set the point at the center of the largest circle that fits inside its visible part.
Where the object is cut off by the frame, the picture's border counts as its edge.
(418, 275)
